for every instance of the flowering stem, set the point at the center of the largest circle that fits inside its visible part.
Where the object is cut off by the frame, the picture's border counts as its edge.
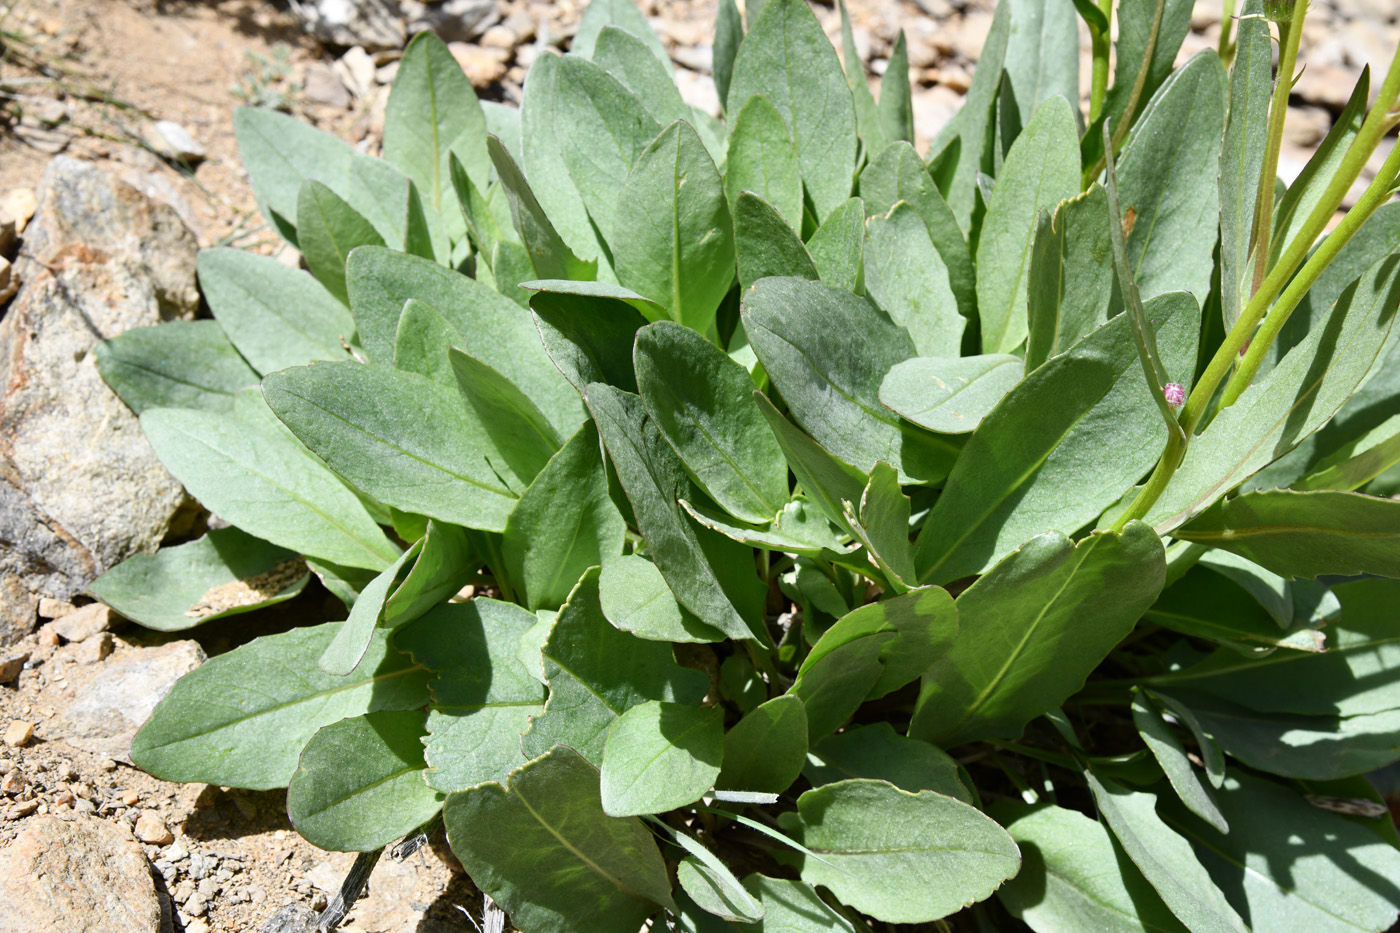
(1290, 33)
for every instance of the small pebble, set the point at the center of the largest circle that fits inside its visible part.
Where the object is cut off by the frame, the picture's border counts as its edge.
(196, 906)
(107, 764)
(22, 808)
(48, 638)
(183, 891)
(12, 784)
(150, 828)
(197, 925)
(94, 649)
(63, 798)
(319, 901)
(84, 806)
(130, 797)
(19, 733)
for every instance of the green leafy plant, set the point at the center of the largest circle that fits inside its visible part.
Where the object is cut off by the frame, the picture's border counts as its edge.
(853, 538)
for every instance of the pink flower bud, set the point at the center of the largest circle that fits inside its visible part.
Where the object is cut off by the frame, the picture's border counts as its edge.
(1176, 395)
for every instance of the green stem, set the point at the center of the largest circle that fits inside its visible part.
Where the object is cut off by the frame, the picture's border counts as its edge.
(1099, 43)
(1289, 34)
(1157, 482)
(1376, 194)
(1378, 121)
(1226, 48)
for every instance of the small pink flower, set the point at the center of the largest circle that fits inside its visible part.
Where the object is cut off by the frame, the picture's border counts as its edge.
(1176, 395)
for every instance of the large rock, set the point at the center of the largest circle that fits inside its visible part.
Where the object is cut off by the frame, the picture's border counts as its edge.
(80, 489)
(111, 701)
(82, 874)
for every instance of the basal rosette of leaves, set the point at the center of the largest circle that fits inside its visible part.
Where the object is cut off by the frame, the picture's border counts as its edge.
(840, 555)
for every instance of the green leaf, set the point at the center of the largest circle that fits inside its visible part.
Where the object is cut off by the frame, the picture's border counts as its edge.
(603, 128)
(433, 113)
(837, 247)
(789, 60)
(898, 174)
(422, 343)
(729, 32)
(872, 837)
(348, 648)
(265, 482)
(542, 158)
(636, 599)
(793, 907)
(715, 889)
(912, 630)
(1172, 756)
(710, 575)
(549, 254)
(1042, 53)
(518, 430)
(1356, 674)
(1269, 589)
(224, 573)
(242, 718)
(1041, 170)
(397, 436)
(1015, 657)
(659, 756)
(544, 850)
(672, 237)
(868, 123)
(563, 524)
(622, 14)
(1305, 534)
(878, 752)
(1340, 879)
(277, 317)
(827, 480)
(179, 364)
(764, 243)
(1167, 178)
(833, 687)
(446, 563)
(1313, 747)
(1074, 878)
(800, 528)
(1357, 462)
(597, 672)
(896, 103)
(1164, 858)
(327, 230)
(883, 527)
(703, 403)
(1295, 398)
(483, 693)
(279, 152)
(1150, 33)
(906, 277)
(628, 59)
(766, 749)
(492, 328)
(1242, 156)
(359, 783)
(971, 126)
(589, 338)
(1070, 283)
(1205, 604)
(827, 351)
(950, 395)
(763, 160)
(1085, 420)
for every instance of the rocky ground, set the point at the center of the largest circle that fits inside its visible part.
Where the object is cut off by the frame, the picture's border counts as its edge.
(117, 162)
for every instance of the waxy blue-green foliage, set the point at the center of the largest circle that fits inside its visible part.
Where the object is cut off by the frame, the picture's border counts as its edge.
(793, 470)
